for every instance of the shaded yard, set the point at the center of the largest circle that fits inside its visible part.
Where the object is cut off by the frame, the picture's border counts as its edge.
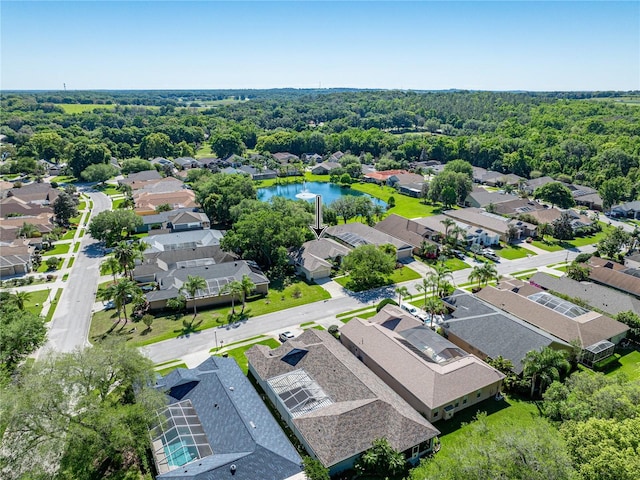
(399, 275)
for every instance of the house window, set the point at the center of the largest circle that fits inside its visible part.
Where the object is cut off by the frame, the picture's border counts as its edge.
(478, 393)
(457, 403)
(415, 450)
(464, 400)
(435, 413)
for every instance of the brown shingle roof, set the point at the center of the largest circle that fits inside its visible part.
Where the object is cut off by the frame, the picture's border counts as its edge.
(364, 407)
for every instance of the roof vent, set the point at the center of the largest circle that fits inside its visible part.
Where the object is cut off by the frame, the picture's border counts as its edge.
(253, 425)
(232, 468)
(231, 388)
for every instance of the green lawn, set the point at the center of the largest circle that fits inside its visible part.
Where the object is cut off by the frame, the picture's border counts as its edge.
(108, 189)
(399, 275)
(352, 312)
(70, 108)
(407, 207)
(117, 203)
(513, 252)
(169, 325)
(58, 249)
(452, 263)
(498, 414)
(82, 205)
(69, 235)
(54, 304)
(64, 179)
(43, 268)
(71, 260)
(36, 299)
(171, 368)
(630, 365)
(553, 245)
(205, 151)
(362, 315)
(549, 245)
(240, 357)
(76, 247)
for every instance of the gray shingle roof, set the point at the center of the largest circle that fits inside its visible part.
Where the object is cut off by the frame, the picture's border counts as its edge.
(315, 253)
(239, 427)
(405, 230)
(493, 332)
(364, 407)
(357, 234)
(141, 177)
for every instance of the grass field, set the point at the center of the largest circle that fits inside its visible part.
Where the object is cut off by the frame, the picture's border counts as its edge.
(399, 275)
(70, 108)
(513, 252)
(169, 325)
(407, 207)
(240, 357)
(36, 299)
(43, 268)
(58, 249)
(205, 151)
(117, 203)
(69, 235)
(630, 365)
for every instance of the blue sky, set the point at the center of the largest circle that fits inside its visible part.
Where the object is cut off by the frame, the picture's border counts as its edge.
(514, 45)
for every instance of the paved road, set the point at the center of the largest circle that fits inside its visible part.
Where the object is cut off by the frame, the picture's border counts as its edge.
(69, 327)
(320, 312)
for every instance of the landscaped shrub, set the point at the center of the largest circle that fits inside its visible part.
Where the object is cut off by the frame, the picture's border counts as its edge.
(333, 330)
(583, 257)
(384, 302)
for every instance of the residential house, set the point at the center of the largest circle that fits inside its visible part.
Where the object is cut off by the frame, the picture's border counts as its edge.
(335, 157)
(632, 260)
(315, 258)
(14, 206)
(52, 168)
(334, 404)
(15, 260)
(183, 240)
(162, 161)
(35, 193)
(258, 173)
(134, 178)
(471, 234)
(285, 157)
(212, 163)
(490, 221)
(169, 221)
(409, 184)
(43, 223)
(597, 296)
(498, 179)
(487, 332)
(531, 185)
(586, 196)
(614, 275)
(433, 375)
(147, 203)
(185, 163)
(357, 234)
(215, 425)
(4, 188)
(161, 185)
(312, 158)
(478, 174)
(325, 168)
(216, 276)
(383, 176)
(516, 206)
(627, 210)
(556, 316)
(408, 231)
(480, 197)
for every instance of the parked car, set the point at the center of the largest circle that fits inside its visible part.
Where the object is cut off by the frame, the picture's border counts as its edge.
(284, 336)
(109, 305)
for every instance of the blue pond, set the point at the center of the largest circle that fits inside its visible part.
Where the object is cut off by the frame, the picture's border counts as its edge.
(329, 192)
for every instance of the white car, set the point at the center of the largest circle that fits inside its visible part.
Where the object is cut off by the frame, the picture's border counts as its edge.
(284, 336)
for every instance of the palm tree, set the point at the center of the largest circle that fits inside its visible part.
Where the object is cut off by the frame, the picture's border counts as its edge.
(191, 287)
(235, 290)
(122, 291)
(428, 249)
(378, 211)
(458, 233)
(433, 307)
(424, 287)
(441, 278)
(111, 264)
(247, 287)
(448, 223)
(403, 292)
(544, 229)
(28, 230)
(20, 298)
(484, 274)
(545, 365)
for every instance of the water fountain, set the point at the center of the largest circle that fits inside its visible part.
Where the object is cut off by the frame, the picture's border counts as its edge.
(305, 194)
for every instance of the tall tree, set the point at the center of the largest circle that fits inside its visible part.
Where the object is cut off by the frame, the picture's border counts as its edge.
(555, 193)
(191, 287)
(225, 144)
(21, 298)
(84, 153)
(64, 208)
(112, 226)
(247, 287)
(126, 253)
(99, 173)
(368, 266)
(235, 290)
(403, 292)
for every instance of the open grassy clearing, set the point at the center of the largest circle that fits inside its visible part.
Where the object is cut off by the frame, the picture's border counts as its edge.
(240, 357)
(71, 108)
(399, 275)
(205, 151)
(170, 325)
(553, 245)
(58, 249)
(116, 203)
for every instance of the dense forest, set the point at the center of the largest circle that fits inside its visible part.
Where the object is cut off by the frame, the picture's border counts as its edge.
(582, 137)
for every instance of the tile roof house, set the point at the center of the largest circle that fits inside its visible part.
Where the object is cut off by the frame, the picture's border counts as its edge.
(560, 318)
(433, 375)
(147, 203)
(473, 234)
(357, 234)
(215, 426)
(479, 197)
(333, 403)
(216, 275)
(325, 168)
(597, 296)
(382, 176)
(488, 332)
(490, 221)
(408, 231)
(516, 206)
(183, 240)
(313, 259)
(614, 275)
